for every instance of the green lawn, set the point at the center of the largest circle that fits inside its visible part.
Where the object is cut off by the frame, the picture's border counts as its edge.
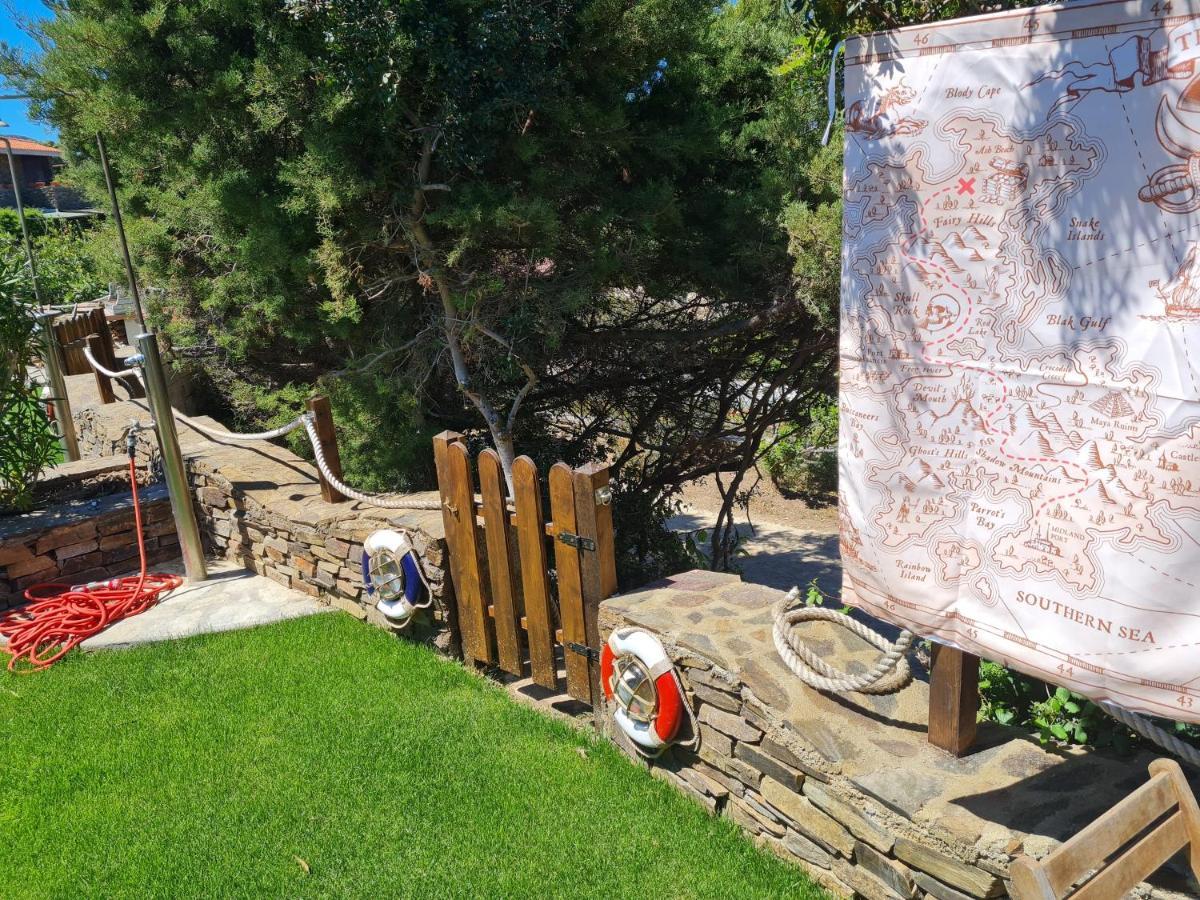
(208, 767)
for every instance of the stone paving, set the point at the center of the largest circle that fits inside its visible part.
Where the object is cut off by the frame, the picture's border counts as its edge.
(850, 784)
(778, 556)
(230, 599)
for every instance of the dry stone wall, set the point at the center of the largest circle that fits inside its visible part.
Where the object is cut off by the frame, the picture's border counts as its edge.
(260, 504)
(82, 540)
(848, 787)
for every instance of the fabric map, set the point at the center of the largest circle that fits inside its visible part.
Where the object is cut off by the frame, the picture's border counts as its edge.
(1020, 346)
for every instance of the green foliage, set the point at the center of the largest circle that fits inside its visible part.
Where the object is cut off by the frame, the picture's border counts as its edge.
(210, 767)
(28, 445)
(1054, 714)
(65, 252)
(793, 466)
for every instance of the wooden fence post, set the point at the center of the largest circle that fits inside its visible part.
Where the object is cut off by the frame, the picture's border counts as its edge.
(323, 420)
(535, 576)
(506, 615)
(103, 383)
(953, 699)
(598, 568)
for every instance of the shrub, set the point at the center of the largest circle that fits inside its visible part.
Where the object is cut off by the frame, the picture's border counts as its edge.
(1054, 714)
(797, 470)
(29, 445)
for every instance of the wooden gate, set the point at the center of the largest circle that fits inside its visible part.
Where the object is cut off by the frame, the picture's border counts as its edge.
(72, 331)
(525, 586)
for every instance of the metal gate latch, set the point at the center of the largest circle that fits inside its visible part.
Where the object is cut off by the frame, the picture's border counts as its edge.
(583, 650)
(574, 540)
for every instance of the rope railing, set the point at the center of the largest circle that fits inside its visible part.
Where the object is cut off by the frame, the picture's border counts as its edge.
(374, 499)
(250, 438)
(304, 420)
(108, 373)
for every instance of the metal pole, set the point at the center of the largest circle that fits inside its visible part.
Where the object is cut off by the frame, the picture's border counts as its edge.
(12, 170)
(52, 358)
(116, 208)
(172, 459)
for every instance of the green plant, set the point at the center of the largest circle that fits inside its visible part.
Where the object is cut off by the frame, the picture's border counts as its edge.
(1055, 714)
(800, 461)
(192, 769)
(29, 445)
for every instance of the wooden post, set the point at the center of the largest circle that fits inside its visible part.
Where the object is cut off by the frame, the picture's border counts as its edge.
(502, 578)
(441, 460)
(567, 565)
(473, 590)
(323, 420)
(598, 569)
(953, 699)
(535, 575)
(103, 382)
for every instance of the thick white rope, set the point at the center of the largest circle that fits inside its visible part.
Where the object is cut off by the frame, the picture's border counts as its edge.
(889, 674)
(240, 438)
(892, 672)
(373, 499)
(109, 373)
(1154, 734)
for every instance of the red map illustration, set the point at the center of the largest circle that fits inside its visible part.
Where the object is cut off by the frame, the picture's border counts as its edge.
(1020, 345)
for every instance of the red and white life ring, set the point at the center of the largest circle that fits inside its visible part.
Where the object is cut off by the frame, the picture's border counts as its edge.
(639, 655)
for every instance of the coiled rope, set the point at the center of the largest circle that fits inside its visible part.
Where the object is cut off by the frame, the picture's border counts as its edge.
(889, 674)
(892, 671)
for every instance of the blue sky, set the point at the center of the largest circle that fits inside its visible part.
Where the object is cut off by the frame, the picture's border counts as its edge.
(15, 112)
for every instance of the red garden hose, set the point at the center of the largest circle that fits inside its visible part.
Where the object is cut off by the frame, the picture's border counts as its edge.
(61, 616)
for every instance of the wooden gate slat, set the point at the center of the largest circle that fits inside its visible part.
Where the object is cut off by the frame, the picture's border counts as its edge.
(476, 628)
(495, 517)
(570, 594)
(598, 569)
(535, 579)
(441, 461)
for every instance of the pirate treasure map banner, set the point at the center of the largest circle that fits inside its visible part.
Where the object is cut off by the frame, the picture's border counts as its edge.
(1020, 348)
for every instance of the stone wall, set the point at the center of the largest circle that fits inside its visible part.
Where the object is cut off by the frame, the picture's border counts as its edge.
(82, 540)
(260, 504)
(848, 787)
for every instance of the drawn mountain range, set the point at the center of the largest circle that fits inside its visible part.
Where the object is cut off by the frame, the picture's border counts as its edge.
(962, 417)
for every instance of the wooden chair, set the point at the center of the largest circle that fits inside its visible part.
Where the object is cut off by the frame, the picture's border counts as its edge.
(1140, 833)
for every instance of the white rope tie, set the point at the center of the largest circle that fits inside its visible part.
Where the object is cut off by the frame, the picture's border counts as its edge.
(831, 91)
(341, 487)
(889, 674)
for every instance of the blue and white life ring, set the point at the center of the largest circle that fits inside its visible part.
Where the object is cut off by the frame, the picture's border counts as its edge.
(392, 572)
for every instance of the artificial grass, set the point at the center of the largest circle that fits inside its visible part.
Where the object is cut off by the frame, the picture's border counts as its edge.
(214, 766)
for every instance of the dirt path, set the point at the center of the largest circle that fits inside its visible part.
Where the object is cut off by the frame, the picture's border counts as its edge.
(786, 542)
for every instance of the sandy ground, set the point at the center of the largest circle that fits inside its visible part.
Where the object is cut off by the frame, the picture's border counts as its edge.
(767, 505)
(785, 542)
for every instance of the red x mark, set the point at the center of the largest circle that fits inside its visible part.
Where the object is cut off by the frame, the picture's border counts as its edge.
(966, 186)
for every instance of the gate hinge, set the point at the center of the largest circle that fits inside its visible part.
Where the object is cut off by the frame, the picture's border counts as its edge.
(583, 650)
(574, 540)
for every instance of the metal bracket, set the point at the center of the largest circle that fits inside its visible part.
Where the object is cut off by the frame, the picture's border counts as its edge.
(583, 650)
(574, 540)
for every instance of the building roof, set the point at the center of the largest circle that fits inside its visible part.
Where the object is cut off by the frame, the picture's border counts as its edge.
(26, 147)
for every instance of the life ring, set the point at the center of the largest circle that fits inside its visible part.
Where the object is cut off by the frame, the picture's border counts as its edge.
(391, 570)
(639, 678)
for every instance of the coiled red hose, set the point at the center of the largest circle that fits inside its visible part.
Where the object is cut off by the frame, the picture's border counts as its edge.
(61, 616)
